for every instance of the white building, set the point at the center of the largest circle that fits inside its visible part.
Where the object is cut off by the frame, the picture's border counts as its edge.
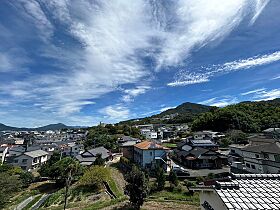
(3, 152)
(151, 135)
(30, 160)
(144, 131)
(147, 154)
(242, 191)
(264, 158)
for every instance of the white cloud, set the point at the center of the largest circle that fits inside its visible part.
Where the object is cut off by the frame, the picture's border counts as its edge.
(166, 108)
(276, 77)
(132, 93)
(208, 101)
(190, 81)
(113, 37)
(266, 95)
(194, 24)
(185, 77)
(220, 101)
(13, 60)
(253, 91)
(115, 113)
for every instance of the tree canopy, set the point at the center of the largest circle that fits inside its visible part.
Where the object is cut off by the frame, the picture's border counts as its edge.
(137, 187)
(95, 176)
(246, 116)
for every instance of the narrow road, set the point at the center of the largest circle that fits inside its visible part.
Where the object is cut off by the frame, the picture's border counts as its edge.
(24, 203)
(40, 202)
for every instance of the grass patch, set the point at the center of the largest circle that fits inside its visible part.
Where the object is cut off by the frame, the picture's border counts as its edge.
(175, 196)
(170, 145)
(30, 204)
(17, 199)
(102, 204)
(113, 186)
(55, 198)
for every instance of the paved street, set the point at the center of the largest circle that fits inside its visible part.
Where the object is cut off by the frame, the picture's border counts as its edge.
(205, 172)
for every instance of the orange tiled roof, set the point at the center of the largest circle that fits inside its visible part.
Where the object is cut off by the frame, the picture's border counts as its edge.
(149, 145)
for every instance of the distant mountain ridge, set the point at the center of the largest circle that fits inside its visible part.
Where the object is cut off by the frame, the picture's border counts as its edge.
(188, 112)
(183, 113)
(56, 126)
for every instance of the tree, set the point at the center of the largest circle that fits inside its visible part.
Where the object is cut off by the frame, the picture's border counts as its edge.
(99, 160)
(26, 178)
(9, 184)
(137, 187)
(173, 179)
(160, 178)
(66, 169)
(46, 169)
(95, 176)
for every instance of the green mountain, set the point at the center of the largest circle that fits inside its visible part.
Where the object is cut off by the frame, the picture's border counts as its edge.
(57, 126)
(246, 116)
(183, 113)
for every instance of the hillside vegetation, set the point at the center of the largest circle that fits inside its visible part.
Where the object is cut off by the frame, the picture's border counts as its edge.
(245, 116)
(183, 113)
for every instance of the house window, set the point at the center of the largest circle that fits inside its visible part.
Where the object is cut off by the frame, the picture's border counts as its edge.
(232, 150)
(266, 156)
(151, 153)
(247, 165)
(24, 160)
(253, 166)
(15, 161)
(277, 158)
(35, 160)
(257, 156)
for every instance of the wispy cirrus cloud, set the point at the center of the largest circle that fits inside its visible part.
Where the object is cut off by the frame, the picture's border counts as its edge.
(264, 94)
(220, 101)
(185, 77)
(166, 108)
(276, 77)
(107, 44)
(253, 91)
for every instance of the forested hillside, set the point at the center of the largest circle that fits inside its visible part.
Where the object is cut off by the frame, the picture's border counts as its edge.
(245, 116)
(183, 113)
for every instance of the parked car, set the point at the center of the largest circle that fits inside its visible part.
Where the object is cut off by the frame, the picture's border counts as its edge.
(180, 171)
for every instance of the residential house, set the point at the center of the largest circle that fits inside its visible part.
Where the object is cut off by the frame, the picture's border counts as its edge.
(70, 148)
(191, 143)
(151, 135)
(198, 154)
(126, 144)
(145, 131)
(148, 154)
(198, 158)
(3, 152)
(272, 132)
(29, 160)
(264, 158)
(241, 191)
(89, 156)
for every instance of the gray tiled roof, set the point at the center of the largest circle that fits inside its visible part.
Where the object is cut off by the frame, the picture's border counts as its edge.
(100, 150)
(251, 191)
(268, 148)
(85, 160)
(36, 153)
(202, 143)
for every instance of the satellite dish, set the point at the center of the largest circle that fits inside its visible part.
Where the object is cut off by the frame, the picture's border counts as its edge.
(187, 148)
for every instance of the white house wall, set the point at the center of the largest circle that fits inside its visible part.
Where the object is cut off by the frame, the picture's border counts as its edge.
(213, 199)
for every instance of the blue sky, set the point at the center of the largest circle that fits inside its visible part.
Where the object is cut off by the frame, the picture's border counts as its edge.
(80, 62)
